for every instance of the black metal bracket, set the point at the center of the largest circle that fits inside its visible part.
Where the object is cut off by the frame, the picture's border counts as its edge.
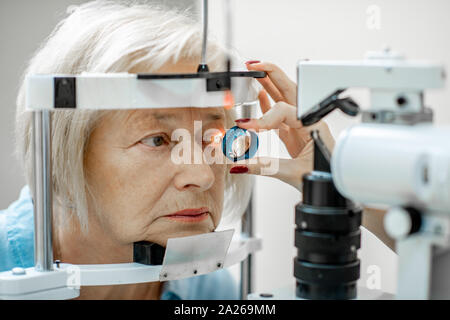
(218, 84)
(322, 156)
(215, 81)
(320, 110)
(148, 253)
(65, 92)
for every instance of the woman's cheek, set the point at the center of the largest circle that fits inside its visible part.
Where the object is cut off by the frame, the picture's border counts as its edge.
(218, 191)
(142, 185)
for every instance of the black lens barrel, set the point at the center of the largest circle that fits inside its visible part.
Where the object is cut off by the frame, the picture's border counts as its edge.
(327, 238)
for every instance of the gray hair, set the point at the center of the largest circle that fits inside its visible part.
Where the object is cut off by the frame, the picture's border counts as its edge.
(108, 36)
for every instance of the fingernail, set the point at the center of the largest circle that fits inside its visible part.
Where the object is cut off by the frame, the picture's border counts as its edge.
(242, 120)
(252, 61)
(239, 169)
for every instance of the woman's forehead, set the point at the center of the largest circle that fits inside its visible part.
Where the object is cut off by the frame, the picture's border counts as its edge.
(180, 115)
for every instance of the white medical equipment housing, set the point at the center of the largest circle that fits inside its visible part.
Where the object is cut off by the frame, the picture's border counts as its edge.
(395, 158)
(50, 93)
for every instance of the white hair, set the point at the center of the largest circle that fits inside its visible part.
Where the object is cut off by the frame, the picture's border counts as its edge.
(111, 36)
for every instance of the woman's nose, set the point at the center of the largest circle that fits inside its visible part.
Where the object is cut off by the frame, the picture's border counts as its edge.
(196, 177)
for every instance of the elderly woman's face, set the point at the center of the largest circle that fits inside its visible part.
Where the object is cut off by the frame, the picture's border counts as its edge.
(136, 185)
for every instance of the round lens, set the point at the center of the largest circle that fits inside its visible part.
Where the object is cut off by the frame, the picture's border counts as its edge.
(240, 145)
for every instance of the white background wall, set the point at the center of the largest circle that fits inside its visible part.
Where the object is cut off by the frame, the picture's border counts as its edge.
(282, 32)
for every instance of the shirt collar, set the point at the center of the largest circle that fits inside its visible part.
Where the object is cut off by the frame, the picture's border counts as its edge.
(175, 290)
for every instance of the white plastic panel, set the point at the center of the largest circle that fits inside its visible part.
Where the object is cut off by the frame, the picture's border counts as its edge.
(121, 273)
(319, 79)
(195, 255)
(125, 91)
(64, 282)
(394, 165)
(36, 285)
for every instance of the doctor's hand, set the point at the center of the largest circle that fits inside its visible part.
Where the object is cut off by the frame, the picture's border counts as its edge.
(297, 139)
(282, 116)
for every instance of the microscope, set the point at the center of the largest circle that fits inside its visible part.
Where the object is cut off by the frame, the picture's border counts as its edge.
(394, 158)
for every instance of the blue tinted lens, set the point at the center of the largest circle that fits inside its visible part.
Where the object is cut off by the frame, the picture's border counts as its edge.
(231, 135)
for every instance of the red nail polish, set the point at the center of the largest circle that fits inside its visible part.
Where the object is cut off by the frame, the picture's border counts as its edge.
(252, 61)
(239, 169)
(242, 120)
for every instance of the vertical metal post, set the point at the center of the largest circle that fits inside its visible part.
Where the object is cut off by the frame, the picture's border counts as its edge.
(42, 170)
(415, 256)
(246, 265)
(440, 281)
(247, 111)
(205, 31)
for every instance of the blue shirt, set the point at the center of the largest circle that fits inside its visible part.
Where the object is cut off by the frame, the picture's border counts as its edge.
(17, 250)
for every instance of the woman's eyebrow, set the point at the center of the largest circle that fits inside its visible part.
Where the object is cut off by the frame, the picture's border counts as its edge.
(137, 120)
(216, 116)
(165, 116)
(169, 116)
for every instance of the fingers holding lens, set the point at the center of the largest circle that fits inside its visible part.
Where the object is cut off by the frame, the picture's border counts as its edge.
(289, 171)
(277, 83)
(280, 113)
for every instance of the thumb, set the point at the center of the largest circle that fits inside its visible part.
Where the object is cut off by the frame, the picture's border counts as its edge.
(290, 171)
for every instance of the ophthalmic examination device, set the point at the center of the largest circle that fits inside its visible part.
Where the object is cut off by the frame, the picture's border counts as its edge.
(395, 158)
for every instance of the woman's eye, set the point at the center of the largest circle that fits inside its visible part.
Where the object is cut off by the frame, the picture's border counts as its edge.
(155, 141)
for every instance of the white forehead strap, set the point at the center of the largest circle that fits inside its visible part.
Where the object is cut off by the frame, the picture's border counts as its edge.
(137, 91)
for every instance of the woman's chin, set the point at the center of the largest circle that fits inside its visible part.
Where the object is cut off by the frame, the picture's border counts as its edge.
(179, 230)
(187, 233)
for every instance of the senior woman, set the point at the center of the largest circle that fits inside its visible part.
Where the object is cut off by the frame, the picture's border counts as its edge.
(114, 181)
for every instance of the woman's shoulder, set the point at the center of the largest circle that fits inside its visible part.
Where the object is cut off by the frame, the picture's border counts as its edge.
(217, 285)
(17, 233)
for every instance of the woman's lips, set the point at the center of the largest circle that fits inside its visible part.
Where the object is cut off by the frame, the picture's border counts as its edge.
(189, 215)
